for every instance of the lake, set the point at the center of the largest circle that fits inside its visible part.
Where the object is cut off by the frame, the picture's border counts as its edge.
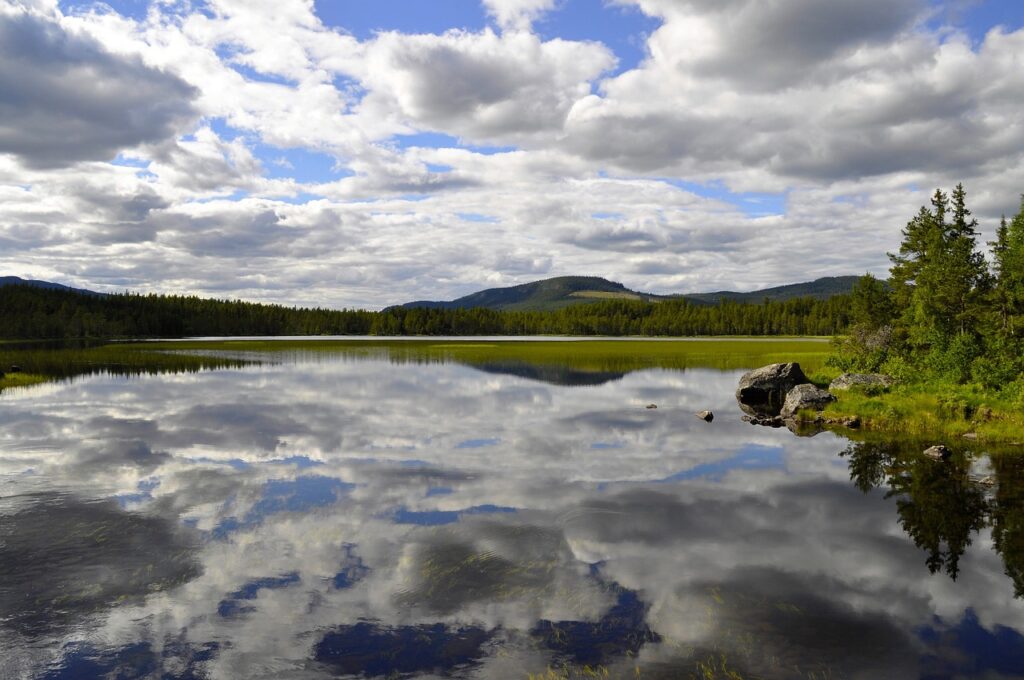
(459, 509)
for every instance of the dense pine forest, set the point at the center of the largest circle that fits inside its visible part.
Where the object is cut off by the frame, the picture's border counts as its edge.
(945, 314)
(36, 313)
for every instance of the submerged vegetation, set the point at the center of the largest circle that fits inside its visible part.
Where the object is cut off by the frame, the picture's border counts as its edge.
(947, 325)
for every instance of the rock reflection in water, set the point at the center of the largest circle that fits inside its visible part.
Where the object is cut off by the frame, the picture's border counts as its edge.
(420, 520)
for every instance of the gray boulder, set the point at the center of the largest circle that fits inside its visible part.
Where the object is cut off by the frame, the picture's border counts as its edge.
(861, 380)
(763, 390)
(706, 416)
(805, 397)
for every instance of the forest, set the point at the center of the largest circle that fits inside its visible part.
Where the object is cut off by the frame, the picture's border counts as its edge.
(946, 314)
(37, 313)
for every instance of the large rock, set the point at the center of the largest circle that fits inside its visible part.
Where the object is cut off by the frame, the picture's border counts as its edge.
(763, 390)
(862, 381)
(805, 397)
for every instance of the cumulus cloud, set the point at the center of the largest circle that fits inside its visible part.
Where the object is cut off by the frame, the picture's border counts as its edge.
(547, 162)
(811, 92)
(517, 14)
(64, 98)
(482, 87)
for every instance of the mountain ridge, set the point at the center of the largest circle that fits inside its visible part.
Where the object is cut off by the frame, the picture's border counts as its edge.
(48, 285)
(562, 291)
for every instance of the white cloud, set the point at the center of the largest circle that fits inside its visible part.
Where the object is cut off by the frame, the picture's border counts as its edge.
(481, 87)
(64, 98)
(518, 14)
(850, 112)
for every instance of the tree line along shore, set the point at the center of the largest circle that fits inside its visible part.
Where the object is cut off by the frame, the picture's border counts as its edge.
(36, 313)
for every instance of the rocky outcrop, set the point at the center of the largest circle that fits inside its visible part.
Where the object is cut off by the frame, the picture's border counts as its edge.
(861, 381)
(763, 391)
(805, 397)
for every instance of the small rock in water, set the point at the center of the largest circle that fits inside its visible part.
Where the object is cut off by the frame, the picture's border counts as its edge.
(706, 416)
(938, 452)
(652, 406)
(987, 481)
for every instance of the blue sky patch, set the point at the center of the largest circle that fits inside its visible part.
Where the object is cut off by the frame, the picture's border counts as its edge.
(751, 457)
(281, 495)
(433, 518)
(623, 29)
(477, 217)
(752, 203)
(232, 604)
(477, 443)
(364, 18)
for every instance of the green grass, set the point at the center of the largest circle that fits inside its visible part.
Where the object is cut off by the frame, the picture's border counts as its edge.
(937, 411)
(595, 355)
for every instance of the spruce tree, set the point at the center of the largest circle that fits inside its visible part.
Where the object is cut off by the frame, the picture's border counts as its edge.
(1008, 252)
(966, 273)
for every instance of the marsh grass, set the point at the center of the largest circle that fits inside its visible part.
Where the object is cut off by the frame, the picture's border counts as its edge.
(587, 355)
(38, 365)
(937, 411)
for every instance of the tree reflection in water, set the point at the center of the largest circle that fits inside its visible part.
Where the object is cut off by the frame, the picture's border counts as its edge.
(941, 506)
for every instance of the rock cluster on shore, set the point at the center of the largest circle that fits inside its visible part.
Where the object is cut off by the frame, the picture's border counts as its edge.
(777, 393)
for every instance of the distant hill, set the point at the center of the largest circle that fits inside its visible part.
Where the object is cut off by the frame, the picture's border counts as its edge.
(563, 291)
(820, 289)
(48, 285)
(546, 295)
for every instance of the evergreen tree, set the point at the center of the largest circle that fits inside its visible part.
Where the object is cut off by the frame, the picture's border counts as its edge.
(870, 303)
(1008, 253)
(939, 283)
(966, 279)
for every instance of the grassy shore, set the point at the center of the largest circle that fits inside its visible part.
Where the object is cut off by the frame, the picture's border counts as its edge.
(594, 355)
(948, 412)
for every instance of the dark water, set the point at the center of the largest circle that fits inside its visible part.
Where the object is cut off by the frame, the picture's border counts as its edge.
(331, 518)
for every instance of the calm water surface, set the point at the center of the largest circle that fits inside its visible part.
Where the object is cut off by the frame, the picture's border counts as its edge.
(329, 516)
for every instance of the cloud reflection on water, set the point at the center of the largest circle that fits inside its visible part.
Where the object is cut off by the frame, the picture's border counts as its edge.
(287, 496)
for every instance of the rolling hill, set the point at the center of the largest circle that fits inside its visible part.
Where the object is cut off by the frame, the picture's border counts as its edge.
(563, 291)
(48, 285)
(821, 289)
(546, 295)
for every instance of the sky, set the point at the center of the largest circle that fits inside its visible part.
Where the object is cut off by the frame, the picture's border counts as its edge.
(347, 153)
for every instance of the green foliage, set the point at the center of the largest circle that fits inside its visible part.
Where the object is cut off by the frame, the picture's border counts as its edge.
(871, 304)
(30, 312)
(1008, 288)
(863, 350)
(934, 321)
